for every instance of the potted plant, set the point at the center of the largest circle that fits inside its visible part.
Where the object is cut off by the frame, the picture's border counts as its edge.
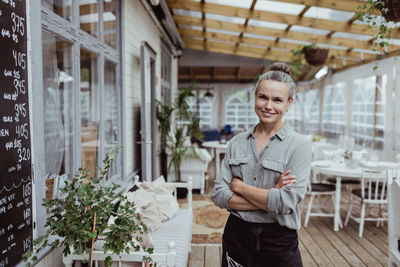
(80, 217)
(304, 57)
(390, 10)
(164, 116)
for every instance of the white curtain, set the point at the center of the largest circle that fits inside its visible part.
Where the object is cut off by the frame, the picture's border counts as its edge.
(53, 122)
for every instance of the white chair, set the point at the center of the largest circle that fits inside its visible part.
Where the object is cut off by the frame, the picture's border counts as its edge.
(373, 191)
(394, 217)
(318, 189)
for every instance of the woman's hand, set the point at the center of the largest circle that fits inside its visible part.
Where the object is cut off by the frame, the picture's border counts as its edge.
(285, 179)
(236, 185)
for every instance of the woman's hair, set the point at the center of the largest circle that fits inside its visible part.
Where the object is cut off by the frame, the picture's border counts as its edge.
(279, 72)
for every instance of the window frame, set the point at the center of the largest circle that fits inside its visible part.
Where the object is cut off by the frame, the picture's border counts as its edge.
(69, 31)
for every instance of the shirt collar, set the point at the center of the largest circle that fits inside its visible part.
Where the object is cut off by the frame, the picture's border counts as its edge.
(281, 134)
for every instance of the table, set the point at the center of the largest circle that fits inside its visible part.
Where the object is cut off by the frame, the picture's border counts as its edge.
(218, 150)
(341, 171)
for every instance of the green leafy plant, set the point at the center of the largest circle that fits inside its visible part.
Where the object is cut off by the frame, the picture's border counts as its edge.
(179, 151)
(298, 62)
(80, 217)
(164, 116)
(365, 13)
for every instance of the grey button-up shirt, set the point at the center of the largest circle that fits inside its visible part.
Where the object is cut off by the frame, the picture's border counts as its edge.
(285, 150)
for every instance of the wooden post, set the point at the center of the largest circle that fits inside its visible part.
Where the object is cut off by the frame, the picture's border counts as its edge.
(92, 247)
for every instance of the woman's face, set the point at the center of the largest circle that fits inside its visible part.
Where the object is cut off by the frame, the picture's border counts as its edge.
(271, 101)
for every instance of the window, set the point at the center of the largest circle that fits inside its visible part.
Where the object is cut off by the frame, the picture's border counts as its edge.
(97, 90)
(240, 110)
(202, 105)
(111, 111)
(333, 111)
(89, 17)
(57, 102)
(81, 93)
(165, 74)
(311, 111)
(59, 7)
(90, 111)
(368, 111)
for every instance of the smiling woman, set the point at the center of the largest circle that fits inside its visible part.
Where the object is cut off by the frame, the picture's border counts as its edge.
(262, 180)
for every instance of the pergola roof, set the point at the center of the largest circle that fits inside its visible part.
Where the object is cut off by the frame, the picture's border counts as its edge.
(270, 29)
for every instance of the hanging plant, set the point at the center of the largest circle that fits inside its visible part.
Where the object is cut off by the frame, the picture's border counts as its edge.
(390, 10)
(315, 56)
(306, 56)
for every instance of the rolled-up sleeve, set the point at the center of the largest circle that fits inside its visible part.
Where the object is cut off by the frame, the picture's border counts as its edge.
(222, 192)
(284, 201)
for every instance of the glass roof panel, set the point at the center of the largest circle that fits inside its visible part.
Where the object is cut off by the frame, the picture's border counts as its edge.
(332, 46)
(352, 36)
(327, 13)
(299, 42)
(191, 27)
(225, 18)
(365, 51)
(253, 45)
(296, 28)
(394, 41)
(237, 3)
(271, 38)
(279, 26)
(188, 13)
(223, 31)
(279, 7)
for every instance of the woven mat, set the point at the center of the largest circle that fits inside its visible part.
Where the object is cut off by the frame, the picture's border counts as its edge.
(208, 222)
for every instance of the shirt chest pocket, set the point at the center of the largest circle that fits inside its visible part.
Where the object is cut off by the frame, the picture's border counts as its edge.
(272, 170)
(240, 167)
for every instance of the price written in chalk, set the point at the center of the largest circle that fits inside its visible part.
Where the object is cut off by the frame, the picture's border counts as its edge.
(19, 59)
(18, 24)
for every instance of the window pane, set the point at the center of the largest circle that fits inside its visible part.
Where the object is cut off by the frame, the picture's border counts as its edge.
(89, 16)
(60, 7)
(111, 112)
(110, 23)
(90, 114)
(58, 105)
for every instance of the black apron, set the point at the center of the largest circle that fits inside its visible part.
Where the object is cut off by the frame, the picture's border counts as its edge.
(246, 244)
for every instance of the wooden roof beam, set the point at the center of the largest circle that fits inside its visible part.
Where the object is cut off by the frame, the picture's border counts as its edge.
(274, 17)
(262, 42)
(264, 31)
(247, 51)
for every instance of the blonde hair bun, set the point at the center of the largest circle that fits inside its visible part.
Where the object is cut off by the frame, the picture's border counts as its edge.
(280, 66)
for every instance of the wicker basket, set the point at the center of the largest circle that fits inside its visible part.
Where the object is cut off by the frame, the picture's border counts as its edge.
(315, 56)
(393, 13)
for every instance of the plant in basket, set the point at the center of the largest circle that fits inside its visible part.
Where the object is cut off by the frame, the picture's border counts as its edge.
(390, 10)
(81, 217)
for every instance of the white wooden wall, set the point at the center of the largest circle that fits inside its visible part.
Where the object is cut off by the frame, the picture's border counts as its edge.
(138, 27)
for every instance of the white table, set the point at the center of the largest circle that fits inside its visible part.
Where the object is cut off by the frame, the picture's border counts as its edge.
(341, 171)
(218, 150)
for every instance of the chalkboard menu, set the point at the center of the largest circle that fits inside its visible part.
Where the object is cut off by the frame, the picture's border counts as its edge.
(15, 144)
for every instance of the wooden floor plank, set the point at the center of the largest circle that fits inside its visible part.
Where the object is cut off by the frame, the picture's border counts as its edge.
(316, 252)
(197, 255)
(358, 250)
(212, 256)
(334, 256)
(340, 246)
(367, 245)
(305, 256)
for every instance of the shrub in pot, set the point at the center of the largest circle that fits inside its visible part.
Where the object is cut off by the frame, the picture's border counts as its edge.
(80, 217)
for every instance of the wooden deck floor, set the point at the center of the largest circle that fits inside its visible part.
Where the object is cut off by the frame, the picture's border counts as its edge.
(321, 246)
